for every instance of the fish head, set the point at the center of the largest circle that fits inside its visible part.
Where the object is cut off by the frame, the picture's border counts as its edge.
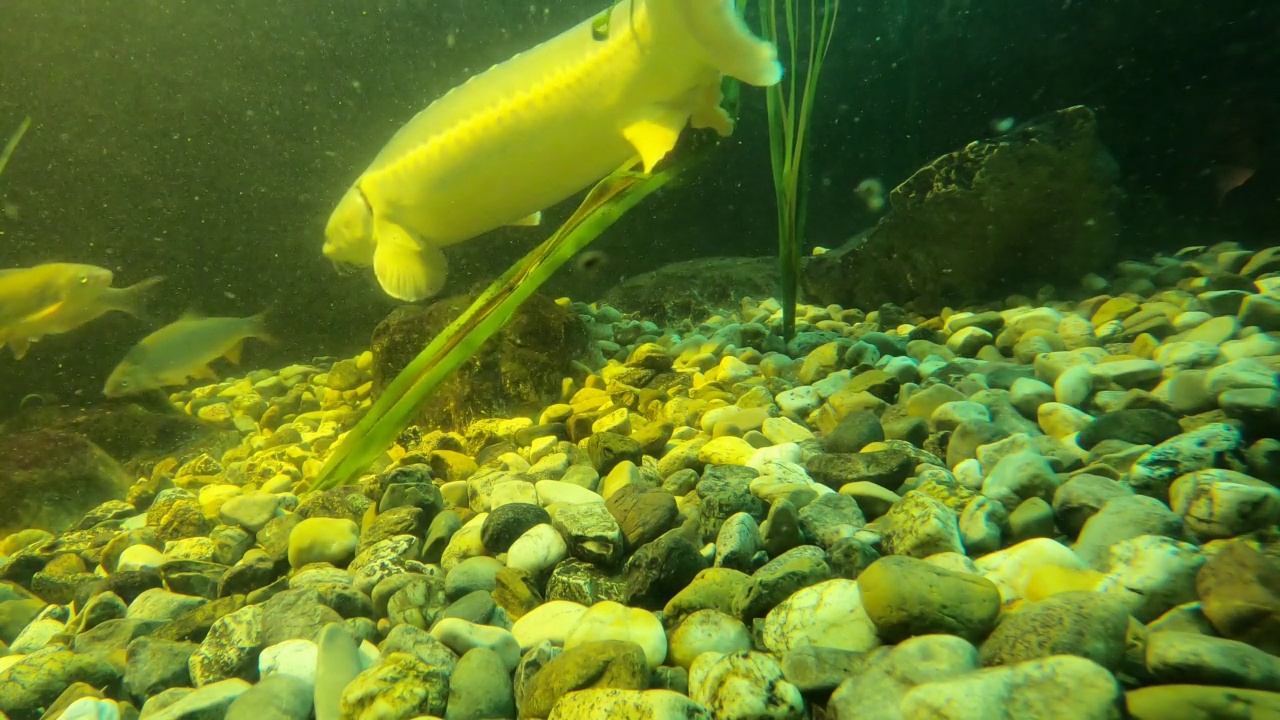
(348, 237)
(86, 282)
(128, 378)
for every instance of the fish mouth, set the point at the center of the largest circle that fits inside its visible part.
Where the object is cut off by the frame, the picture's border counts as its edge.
(343, 267)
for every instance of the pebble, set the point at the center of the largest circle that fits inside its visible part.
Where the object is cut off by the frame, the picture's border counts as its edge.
(320, 539)
(714, 523)
(609, 620)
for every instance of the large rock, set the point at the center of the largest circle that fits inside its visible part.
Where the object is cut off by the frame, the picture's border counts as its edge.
(1034, 206)
(136, 436)
(516, 372)
(49, 479)
(694, 288)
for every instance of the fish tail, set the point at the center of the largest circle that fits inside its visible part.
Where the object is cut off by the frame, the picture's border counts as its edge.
(258, 323)
(133, 299)
(722, 35)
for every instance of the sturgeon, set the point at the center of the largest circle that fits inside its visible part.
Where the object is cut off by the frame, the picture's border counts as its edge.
(532, 131)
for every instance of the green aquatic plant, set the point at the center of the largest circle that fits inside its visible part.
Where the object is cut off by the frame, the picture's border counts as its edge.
(789, 131)
(13, 143)
(395, 409)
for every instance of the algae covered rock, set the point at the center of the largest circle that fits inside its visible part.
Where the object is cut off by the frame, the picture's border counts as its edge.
(136, 436)
(694, 288)
(1037, 205)
(49, 479)
(517, 371)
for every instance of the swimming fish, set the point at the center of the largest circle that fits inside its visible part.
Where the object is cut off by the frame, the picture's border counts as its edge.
(55, 298)
(540, 127)
(181, 350)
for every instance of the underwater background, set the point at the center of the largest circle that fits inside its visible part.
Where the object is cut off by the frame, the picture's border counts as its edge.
(208, 141)
(1013, 451)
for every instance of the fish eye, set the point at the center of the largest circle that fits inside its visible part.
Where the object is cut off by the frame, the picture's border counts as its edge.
(84, 279)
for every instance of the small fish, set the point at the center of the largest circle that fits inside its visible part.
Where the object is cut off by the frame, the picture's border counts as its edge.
(55, 298)
(1228, 178)
(182, 350)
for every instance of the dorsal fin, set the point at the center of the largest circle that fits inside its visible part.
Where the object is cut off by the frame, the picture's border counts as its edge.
(191, 313)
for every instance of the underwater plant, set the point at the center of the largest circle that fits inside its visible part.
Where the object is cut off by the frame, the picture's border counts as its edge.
(399, 403)
(789, 133)
(13, 143)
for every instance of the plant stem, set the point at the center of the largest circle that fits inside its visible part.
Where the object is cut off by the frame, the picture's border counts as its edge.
(789, 137)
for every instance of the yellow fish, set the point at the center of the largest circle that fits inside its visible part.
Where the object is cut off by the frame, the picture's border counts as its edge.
(181, 350)
(540, 127)
(55, 298)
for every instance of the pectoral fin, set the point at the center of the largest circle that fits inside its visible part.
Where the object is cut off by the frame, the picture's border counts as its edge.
(529, 220)
(202, 372)
(654, 135)
(233, 353)
(408, 269)
(710, 114)
(19, 347)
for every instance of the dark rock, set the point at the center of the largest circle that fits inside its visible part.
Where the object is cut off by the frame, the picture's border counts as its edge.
(642, 513)
(345, 600)
(295, 614)
(887, 468)
(848, 557)
(192, 577)
(660, 569)
(591, 532)
(113, 635)
(438, 535)
(404, 520)
(598, 664)
(722, 498)
(474, 607)
(276, 697)
(607, 449)
(52, 478)
(516, 592)
(774, 582)
(1087, 624)
(584, 583)
(1034, 206)
(480, 687)
(1239, 589)
(194, 625)
(152, 666)
(854, 432)
(343, 502)
(423, 496)
(506, 523)
(37, 680)
(129, 585)
(246, 577)
(273, 538)
(516, 372)
(694, 288)
(1140, 427)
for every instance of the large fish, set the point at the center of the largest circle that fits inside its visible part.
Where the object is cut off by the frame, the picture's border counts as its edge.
(532, 131)
(55, 298)
(182, 350)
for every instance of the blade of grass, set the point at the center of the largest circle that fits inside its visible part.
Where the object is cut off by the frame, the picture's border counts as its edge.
(13, 143)
(788, 135)
(399, 403)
